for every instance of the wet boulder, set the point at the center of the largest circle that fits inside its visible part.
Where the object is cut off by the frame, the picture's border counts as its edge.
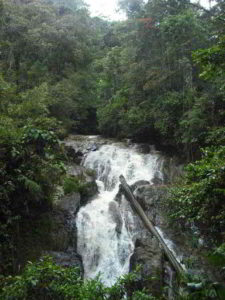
(87, 177)
(143, 148)
(74, 155)
(149, 256)
(70, 203)
(138, 183)
(172, 169)
(84, 144)
(62, 232)
(116, 216)
(151, 198)
(68, 258)
(156, 180)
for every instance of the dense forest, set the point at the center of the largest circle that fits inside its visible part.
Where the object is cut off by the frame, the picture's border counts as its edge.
(158, 77)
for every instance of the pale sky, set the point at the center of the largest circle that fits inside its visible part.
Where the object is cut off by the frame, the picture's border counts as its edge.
(107, 8)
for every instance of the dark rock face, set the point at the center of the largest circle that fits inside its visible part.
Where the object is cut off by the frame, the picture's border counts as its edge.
(153, 199)
(91, 190)
(63, 232)
(143, 148)
(156, 180)
(68, 258)
(70, 203)
(82, 144)
(139, 183)
(150, 198)
(116, 216)
(52, 231)
(73, 155)
(148, 254)
(88, 177)
(147, 251)
(172, 169)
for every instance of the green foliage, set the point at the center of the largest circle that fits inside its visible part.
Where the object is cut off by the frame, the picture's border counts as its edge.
(148, 86)
(212, 63)
(200, 198)
(8, 132)
(29, 106)
(46, 89)
(136, 121)
(109, 116)
(71, 105)
(30, 172)
(46, 280)
(78, 184)
(199, 287)
(216, 136)
(30, 165)
(217, 257)
(43, 280)
(72, 184)
(165, 120)
(6, 93)
(46, 55)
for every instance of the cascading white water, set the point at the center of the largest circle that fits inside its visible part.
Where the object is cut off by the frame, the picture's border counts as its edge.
(104, 238)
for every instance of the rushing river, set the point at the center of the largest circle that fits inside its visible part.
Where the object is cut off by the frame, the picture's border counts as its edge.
(105, 228)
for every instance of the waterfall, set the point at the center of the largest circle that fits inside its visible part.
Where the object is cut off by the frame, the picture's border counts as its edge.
(105, 235)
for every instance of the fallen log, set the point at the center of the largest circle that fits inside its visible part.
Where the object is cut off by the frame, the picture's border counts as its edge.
(148, 224)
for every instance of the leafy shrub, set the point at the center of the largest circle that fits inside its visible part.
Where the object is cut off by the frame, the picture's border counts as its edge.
(29, 173)
(201, 196)
(216, 136)
(91, 172)
(71, 184)
(217, 257)
(110, 115)
(46, 280)
(77, 184)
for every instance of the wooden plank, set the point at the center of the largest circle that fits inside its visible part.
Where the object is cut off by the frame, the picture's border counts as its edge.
(148, 224)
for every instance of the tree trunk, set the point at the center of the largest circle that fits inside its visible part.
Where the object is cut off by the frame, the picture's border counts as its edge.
(148, 224)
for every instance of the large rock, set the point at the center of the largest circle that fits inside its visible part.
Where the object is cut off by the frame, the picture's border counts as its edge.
(116, 216)
(88, 177)
(185, 242)
(138, 183)
(149, 256)
(63, 231)
(84, 144)
(145, 148)
(51, 232)
(68, 258)
(148, 253)
(151, 197)
(69, 203)
(73, 154)
(172, 169)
